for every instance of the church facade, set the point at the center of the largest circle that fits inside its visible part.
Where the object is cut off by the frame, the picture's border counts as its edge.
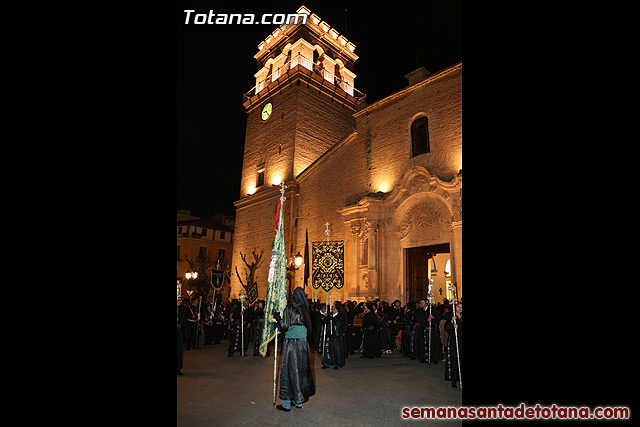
(386, 177)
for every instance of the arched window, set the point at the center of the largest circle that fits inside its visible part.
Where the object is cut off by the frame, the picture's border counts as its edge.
(420, 136)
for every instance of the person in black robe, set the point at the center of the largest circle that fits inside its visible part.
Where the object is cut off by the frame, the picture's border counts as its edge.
(181, 320)
(405, 323)
(335, 344)
(296, 377)
(445, 311)
(358, 335)
(192, 324)
(351, 332)
(183, 309)
(387, 337)
(207, 325)
(240, 324)
(371, 341)
(451, 364)
(420, 325)
(251, 310)
(436, 344)
(218, 325)
(395, 312)
(257, 320)
(316, 321)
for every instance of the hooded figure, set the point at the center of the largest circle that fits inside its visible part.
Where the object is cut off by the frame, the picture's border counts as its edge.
(408, 333)
(296, 378)
(452, 372)
(334, 349)
(371, 342)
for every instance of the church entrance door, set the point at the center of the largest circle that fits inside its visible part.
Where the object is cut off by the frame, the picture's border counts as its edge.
(417, 268)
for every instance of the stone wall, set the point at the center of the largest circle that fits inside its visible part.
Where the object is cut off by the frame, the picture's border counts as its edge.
(356, 181)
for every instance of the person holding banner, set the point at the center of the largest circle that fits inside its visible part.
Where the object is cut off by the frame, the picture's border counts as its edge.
(296, 378)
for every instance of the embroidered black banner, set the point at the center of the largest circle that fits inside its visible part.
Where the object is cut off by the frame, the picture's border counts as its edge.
(252, 293)
(328, 265)
(216, 279)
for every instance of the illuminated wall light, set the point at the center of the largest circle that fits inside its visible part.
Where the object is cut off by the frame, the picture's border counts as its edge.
(383, 187)
(251, 190)
(277, 179)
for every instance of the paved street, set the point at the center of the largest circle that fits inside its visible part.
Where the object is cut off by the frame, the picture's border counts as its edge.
(220, 390)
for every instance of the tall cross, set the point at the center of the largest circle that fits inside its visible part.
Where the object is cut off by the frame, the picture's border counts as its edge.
(282, 188)
(327, 232)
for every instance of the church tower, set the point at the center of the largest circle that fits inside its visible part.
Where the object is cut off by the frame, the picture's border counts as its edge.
(302, 104)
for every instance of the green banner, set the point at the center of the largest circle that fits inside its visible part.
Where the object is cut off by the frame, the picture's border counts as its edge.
(276, 299)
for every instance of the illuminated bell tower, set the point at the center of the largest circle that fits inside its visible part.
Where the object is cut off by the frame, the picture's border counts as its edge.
(302, 104)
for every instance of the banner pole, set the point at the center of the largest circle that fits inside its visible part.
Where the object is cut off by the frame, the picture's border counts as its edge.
(275, 366)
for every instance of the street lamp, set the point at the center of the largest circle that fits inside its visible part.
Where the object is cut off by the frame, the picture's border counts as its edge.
(189, 276)
(294, 263)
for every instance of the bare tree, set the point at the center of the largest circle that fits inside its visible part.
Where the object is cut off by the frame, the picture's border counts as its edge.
(250, 269)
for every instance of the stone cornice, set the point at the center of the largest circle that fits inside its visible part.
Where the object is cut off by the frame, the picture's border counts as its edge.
(409, 89)
(267, 194)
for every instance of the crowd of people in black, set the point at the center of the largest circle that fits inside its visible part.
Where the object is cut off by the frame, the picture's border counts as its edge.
(371, 329)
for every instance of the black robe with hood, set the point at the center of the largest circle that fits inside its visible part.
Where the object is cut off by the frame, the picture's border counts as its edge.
(334, 350)
(371, 343)
(296, 377)
(436, 343)
(451, 355)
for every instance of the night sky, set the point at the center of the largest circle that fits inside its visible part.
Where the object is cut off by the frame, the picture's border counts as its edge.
(216, 66)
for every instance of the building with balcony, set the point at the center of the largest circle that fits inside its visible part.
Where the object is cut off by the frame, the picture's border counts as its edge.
(203, 239)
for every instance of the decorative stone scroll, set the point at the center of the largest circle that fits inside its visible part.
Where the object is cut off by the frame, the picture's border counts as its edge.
(424, 215)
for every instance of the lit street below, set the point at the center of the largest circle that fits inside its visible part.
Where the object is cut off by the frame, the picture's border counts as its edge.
(220, 390)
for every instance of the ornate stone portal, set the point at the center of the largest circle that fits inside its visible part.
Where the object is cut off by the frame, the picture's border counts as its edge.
(421, 210)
